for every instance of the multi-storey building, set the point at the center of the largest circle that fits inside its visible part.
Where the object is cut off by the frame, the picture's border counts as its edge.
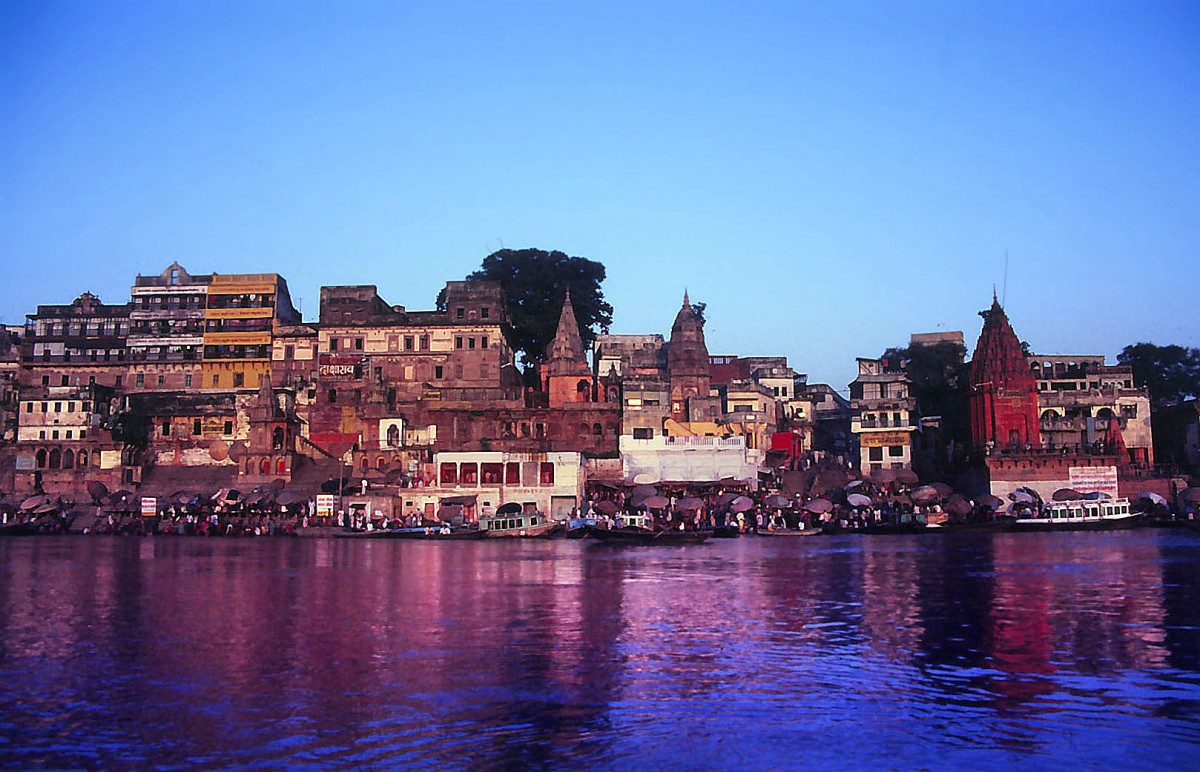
(76, 344)
(1078, 397)
(884, 416)
(239, 321)
(166, 330)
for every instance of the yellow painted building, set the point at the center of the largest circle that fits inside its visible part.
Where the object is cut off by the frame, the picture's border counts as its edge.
(242, 313)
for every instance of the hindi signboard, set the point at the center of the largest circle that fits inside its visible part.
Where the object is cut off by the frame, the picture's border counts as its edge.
(1088, 479)
(341, 367)
(325, 502)
(149, 506)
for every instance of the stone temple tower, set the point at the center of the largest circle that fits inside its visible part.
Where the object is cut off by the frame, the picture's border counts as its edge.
(687, 362)
(1004, 401)
(568, 377)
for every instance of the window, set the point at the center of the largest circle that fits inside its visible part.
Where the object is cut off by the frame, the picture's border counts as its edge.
(187, 380)
(228, 428)
(239, 379)
(70, 407)
(45, 380)
(408, 342)
(358, 344)
(28, 407)
(448, 474)
(424, 342)
(140, 380)
(460, 313)
(333, 344)
(69, 433)
(57, 407)
(643, 434)
(469, 474)
(161, 381)
(45, 407)
(166, 428)
(458, 342)
(895, 451)
(483, 342)
(66, 381)
(196, 427)
(471, 342)
(485, 312)
(83, 434)
(289, 352)
(546, 473)
(42, 435)
(437, 372)
(216, 379)
(512, 473)
(875, 454)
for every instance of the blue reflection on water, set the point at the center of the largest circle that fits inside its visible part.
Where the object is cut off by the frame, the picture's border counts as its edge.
(1034, 650)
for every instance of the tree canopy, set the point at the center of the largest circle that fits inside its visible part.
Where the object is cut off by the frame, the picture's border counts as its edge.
(937, 379)
(1171, 373)
(535, 282)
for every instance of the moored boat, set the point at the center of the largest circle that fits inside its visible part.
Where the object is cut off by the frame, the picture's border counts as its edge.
(428, 534)
(643, 536)
(1082, 515)
(519, 525)
(788, 532)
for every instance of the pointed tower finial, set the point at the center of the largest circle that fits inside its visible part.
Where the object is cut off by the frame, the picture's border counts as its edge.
(686, 303)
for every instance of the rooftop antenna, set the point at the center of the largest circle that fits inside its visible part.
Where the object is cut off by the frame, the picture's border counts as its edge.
(1004, 292)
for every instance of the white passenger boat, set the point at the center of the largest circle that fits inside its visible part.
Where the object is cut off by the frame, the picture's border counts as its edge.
(519, 525)
(1081, 515)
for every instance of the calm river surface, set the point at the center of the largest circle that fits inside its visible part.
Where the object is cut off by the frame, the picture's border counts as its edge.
(1040, 651)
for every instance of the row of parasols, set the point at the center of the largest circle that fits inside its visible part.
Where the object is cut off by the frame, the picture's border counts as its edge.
(124, 501)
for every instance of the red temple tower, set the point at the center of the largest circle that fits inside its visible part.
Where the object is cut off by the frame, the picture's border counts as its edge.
(568, 377)
(687, 362)
(1004, 401)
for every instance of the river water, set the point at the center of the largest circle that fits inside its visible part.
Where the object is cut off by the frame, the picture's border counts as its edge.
(1041, 651)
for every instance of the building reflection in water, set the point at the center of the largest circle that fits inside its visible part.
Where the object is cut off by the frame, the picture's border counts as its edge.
(193, 651)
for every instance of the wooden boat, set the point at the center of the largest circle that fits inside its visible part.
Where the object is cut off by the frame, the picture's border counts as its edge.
(789, 532)
(635, 536)
(519, 525)
(1082, 515)
(724, 531)
(426, 534)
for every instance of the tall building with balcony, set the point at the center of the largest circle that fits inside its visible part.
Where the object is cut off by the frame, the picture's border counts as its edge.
(239, 321)
(884, 415)
(1080, 395)
(166, 330)
(76, 344)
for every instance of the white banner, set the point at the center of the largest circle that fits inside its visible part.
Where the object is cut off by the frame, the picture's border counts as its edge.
(1087, 479)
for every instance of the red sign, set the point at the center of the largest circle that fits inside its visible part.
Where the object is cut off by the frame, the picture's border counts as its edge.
(341, 367)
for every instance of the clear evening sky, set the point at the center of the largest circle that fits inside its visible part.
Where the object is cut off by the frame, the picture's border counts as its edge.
(828, 177)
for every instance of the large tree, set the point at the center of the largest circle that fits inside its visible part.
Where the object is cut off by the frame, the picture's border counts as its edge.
(535, 282)
(1171, 373)
(938, 379)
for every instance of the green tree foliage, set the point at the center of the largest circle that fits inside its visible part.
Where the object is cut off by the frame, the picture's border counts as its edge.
(535, 282)
(1171, 373)
(938, 379)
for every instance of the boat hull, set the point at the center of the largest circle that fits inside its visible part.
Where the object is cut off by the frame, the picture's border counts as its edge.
(790, 532)
(1030, 525)
(642, 537)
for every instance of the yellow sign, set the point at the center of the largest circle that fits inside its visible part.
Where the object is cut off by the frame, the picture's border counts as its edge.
(237, 338)
(882, 439)
(239, 313)
(247, 288)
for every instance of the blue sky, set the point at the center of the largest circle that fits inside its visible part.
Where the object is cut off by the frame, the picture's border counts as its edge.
(827, 177)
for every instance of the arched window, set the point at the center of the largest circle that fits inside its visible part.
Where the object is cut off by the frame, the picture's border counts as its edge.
(365, 464)
(277, 438)
(393, 436)
(380, 463)
(82, 460)
(583, 430)
(1049, 415)
(69, 459)
(264, 466)
(582, 388)
(55, 458)
(281, 467)
(597, 430)
(41, 459)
